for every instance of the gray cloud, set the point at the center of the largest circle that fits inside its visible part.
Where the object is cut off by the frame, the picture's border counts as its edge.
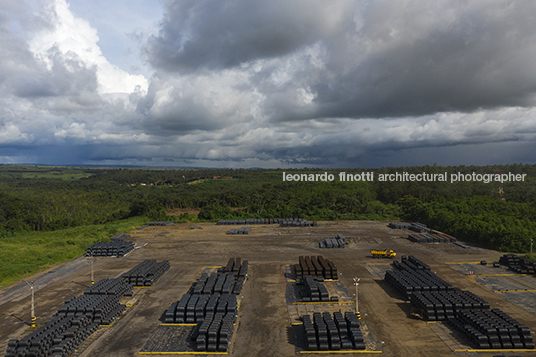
(376, 59)
(215, 35)
(238, 84)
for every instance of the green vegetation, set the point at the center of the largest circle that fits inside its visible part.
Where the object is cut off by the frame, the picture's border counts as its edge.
(25, 253)
(39, 199)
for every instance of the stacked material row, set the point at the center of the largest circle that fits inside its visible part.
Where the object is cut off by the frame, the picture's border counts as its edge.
(466, 311)
(193, 308)
(338, 242)
(250, 221)
(211, 303)
(408, 282)
(431, 237)
(242, 230)
(296, 222)
(236, 265)
(325, 333)
(419, 227)
(399, 225)
(75, 320)
(110, 249)
(443, 305)
(221, 283)
(314, 290)
(316, 266)
(115, 286)
(59, 337)
(518, 264)
(214, 332)
(102, 309)
(492, 329)
(412, 275)
(410, 262)
(146, 273)
(465, 246)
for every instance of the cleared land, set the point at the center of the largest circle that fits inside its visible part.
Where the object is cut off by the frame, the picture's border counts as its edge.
(264, 325)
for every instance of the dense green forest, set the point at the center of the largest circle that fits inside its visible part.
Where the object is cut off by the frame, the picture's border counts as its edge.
(42, 198)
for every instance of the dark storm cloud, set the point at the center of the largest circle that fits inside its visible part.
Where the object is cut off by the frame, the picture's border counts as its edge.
(481, 58)
(376, 59)
(272, 83)
(220, 34)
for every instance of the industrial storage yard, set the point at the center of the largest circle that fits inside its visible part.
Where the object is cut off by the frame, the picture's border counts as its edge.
(271, 304)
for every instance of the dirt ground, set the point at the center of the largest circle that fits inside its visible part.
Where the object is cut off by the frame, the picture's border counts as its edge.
(264, 327)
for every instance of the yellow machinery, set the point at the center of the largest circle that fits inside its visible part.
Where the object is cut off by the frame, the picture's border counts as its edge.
(387, 253)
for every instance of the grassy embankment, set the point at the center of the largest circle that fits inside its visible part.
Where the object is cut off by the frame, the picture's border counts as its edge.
(26, 253)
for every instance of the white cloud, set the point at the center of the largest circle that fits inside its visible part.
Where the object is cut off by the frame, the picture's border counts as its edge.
(77, 40)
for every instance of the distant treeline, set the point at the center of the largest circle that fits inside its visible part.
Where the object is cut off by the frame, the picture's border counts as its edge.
(44, 198)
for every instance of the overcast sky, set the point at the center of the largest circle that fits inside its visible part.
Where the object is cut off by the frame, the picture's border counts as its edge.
(267, 83)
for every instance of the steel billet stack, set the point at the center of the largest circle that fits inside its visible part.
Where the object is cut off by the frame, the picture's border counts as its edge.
(431, 237)
(146, 273)
(242, 230)
(325, 333)
(465, 311)
(212, 305)
(109, 249)
(314, 290)
(493, 329)
(419, 227)
(316, 266)
(338, 242)
(58, 337)
(110, 287)
(78, 318)
(215, 332)
(395, 225)
(444, 305)
(517, 264)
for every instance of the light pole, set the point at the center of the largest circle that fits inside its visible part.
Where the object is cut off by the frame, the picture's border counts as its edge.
(33, 305)
(356, 283)
(92, 275)
(531, 246)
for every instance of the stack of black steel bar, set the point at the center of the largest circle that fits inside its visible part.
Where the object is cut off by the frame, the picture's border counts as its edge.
(338, 242)
(465, 311)
(325, 333)
(316, 266)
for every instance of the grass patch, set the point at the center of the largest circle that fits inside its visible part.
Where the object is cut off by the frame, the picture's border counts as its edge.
(23, 254)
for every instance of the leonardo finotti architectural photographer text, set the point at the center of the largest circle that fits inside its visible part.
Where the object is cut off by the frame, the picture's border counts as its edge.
(405, 177)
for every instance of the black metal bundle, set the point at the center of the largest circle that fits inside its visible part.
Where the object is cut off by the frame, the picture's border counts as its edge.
(110, 249)
(402, 225)
(443, 305)
(492, 329)
(116, 286)
(338, 242)
(146, 273)
(210, 294)
(327, 333)
(316, 266)
(74, 321)
(215, 332)
(419, 227)
(314, 290)
(465, 311)
(518, 264)
(242, 230)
